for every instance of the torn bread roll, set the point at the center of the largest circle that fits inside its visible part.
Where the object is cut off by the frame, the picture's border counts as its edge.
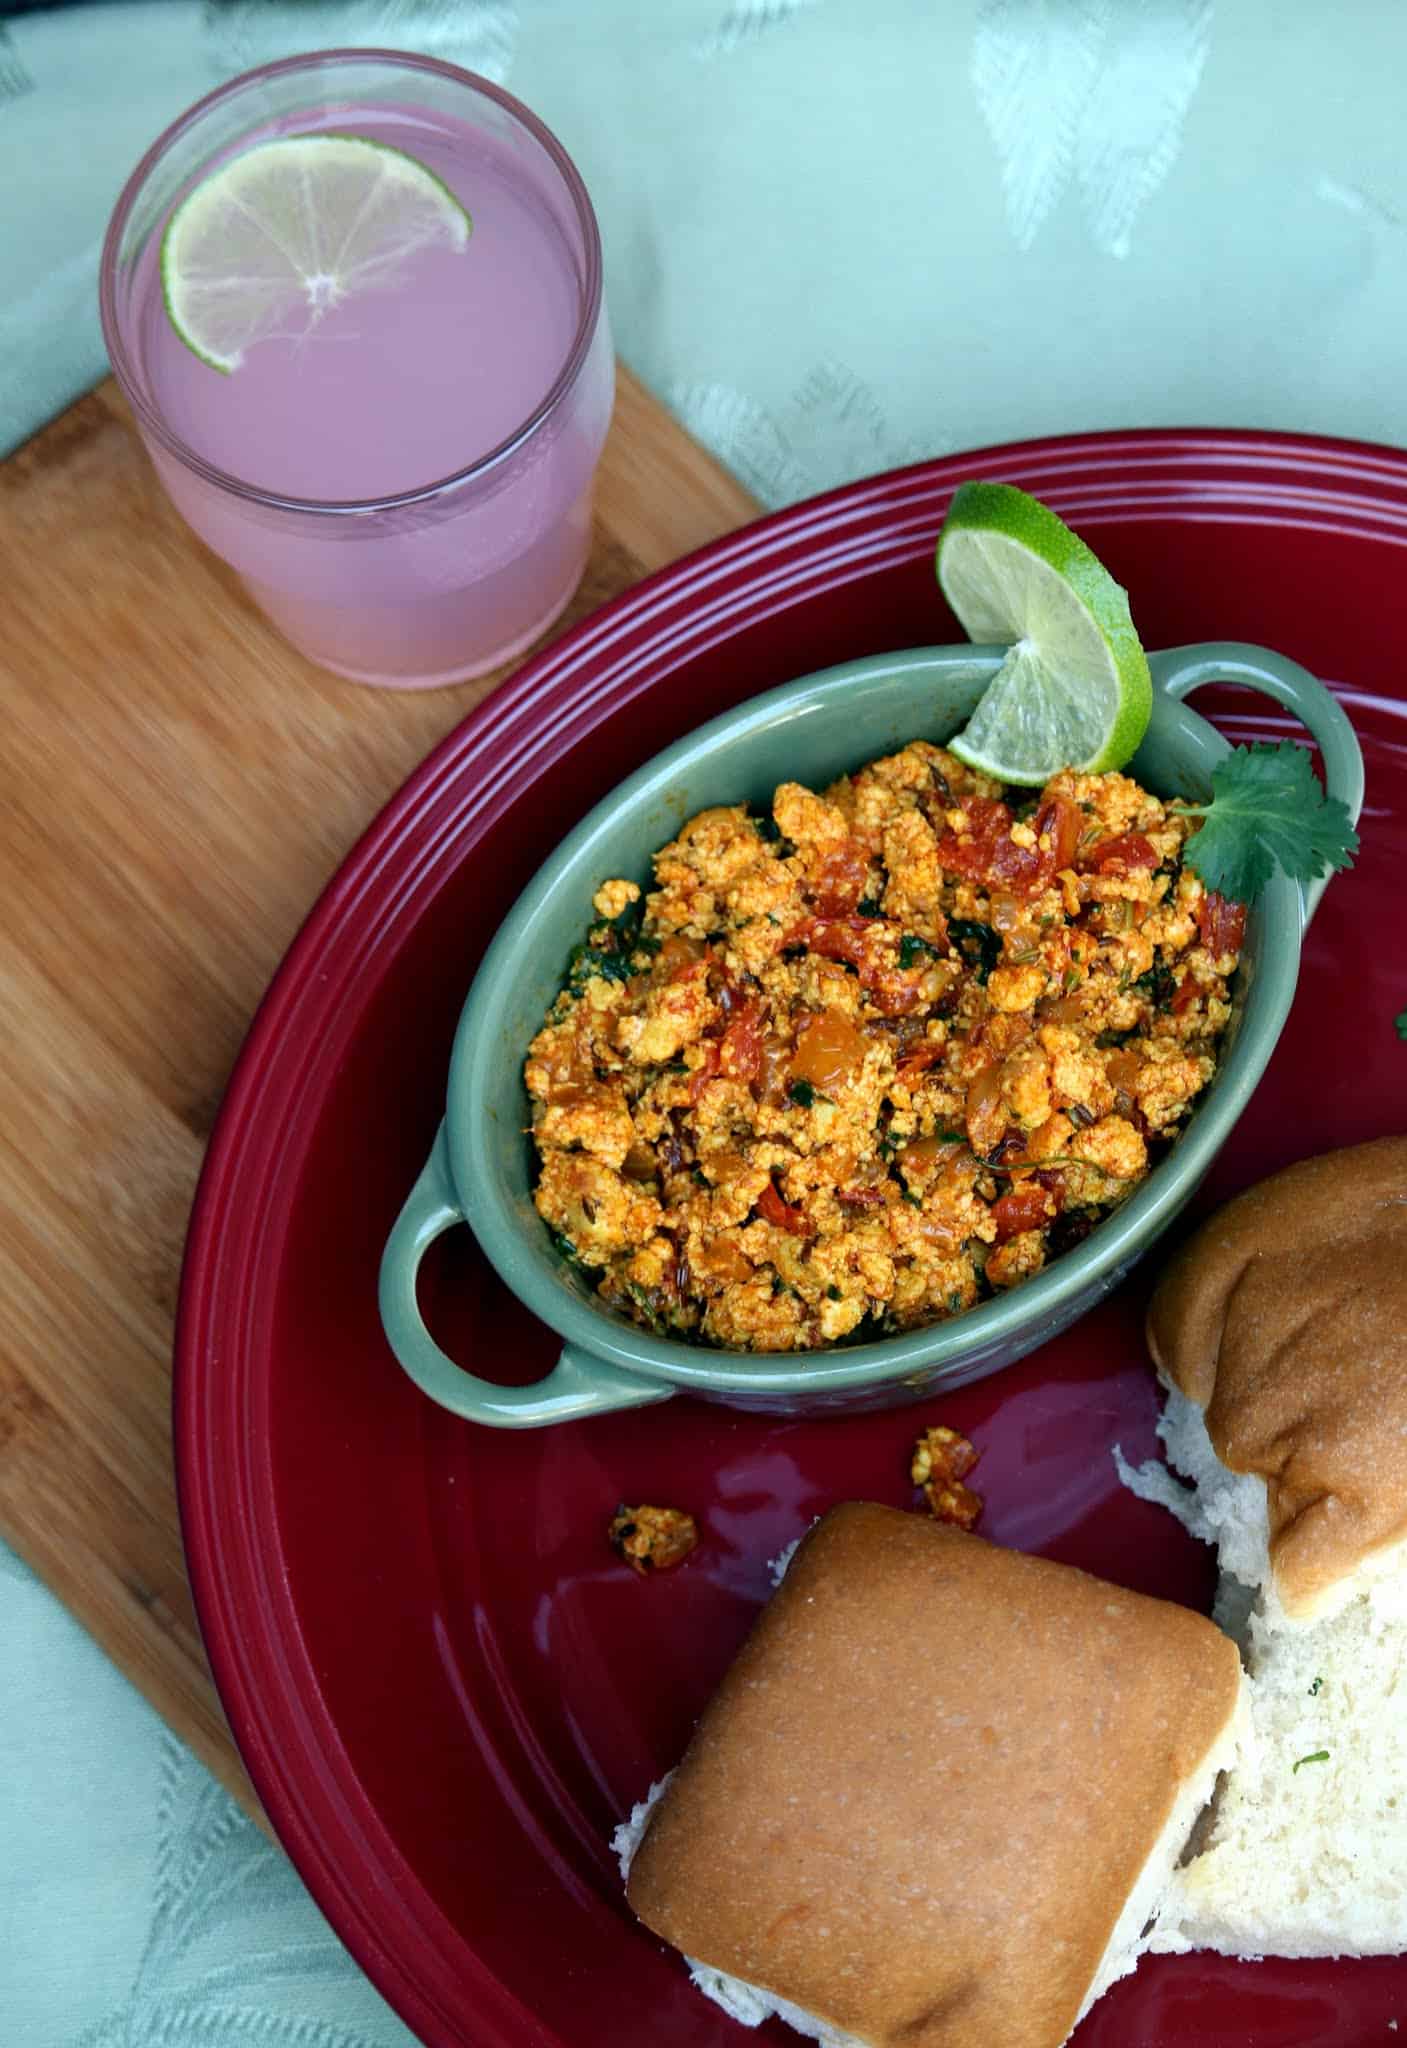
(1279, 1331)
(939, 1795)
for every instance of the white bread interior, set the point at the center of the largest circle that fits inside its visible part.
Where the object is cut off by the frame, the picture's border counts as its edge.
(1227, 1509)
(1310, 1861)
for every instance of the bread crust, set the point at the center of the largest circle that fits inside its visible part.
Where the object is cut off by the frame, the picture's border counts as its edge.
(918, 1801)
(1285, 1318)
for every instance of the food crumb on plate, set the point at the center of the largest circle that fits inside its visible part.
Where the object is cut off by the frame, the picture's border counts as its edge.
(652, 1539)
(941, 1461)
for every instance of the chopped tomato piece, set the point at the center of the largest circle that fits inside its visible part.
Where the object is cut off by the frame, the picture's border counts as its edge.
(916, 1058)
(828, 1050)
(1026, 869)
(865, 943)
(707, 1072)
(986, 851)
(1029, 1206)
(837, 882)
(773, 1207)
(1128, 854)
(741, 1050)
(895, 995)
(677, 956)
(1061, 822)
(774, 1069)
(850, 940)
(972, 852)
(1123, 1069)
(1221, 923)
(834, 938)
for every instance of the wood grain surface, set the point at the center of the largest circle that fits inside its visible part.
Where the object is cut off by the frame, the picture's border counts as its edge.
(178, 786)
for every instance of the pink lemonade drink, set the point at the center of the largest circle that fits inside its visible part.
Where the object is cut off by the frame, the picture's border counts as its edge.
(396, 451)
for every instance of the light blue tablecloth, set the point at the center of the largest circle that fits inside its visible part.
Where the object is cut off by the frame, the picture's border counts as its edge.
(840, 234)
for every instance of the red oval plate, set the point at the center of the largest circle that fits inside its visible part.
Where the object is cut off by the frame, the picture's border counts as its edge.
(445, 1687)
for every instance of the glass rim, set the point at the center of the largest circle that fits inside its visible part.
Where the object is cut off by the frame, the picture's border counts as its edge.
(149, 416)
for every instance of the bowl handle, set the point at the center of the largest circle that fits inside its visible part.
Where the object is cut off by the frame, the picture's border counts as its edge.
(579, 1384)
(1177, 671)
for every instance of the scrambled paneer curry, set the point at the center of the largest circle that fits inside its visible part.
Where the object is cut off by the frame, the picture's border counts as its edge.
(856, 1064)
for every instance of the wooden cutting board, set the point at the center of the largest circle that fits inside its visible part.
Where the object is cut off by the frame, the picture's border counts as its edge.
(178, 785)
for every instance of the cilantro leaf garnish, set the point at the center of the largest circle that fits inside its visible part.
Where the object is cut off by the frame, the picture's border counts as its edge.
(1316, 1756)
(1267, 812)
(1399, 1023)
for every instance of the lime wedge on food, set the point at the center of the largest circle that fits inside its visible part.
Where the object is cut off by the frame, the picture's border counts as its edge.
(279, 235)
(1074, 689)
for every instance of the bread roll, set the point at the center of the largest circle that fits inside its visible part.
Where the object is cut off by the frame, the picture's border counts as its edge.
(1282, 1325)
(939, 1795)
(1279, 1330)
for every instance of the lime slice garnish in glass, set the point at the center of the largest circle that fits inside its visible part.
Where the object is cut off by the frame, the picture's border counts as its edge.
(1074, 689)
(276, 237)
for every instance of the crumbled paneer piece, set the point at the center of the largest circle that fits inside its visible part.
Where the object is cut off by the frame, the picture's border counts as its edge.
(613, 899)
(941, 1461)
(1017, 1259)
(652, 1539)
(876, 1053)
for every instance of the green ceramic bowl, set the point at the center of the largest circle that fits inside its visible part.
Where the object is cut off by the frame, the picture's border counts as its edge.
(480, 1170)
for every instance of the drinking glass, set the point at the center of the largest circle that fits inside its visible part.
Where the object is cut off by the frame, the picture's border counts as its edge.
(407, 494)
